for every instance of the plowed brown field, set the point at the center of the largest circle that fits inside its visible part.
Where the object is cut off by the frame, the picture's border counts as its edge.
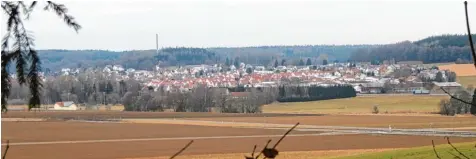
(30, 133)
(460, 69)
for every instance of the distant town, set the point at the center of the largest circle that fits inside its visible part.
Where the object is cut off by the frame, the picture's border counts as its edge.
(404, 77)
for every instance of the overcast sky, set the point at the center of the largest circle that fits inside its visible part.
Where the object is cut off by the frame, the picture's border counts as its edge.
(128, 25)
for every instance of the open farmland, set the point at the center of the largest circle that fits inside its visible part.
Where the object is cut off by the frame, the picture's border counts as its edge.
(426, 152)
(377, 121)
(467, 80)
(123, 140)
(362, 105)
(460, 69)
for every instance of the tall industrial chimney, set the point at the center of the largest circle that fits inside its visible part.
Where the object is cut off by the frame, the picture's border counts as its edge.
(157, 43)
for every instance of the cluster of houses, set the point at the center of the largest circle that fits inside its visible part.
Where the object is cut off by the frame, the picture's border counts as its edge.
(365, 78)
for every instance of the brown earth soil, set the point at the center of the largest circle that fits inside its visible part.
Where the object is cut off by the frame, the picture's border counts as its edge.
(399, 121)
(56, 131)
(62, 131)
(218, 146)
(121, 114)
(363, 121)
(460, 69)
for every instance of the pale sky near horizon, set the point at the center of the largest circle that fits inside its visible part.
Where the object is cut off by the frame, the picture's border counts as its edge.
(132, 25)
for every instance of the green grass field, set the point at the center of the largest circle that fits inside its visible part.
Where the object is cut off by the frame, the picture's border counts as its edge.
(361, 105)
(467, 80)
(426, 152)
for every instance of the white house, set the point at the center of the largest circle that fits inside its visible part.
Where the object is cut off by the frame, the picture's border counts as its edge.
(69, 105)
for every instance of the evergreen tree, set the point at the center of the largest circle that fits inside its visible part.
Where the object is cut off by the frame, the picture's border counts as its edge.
(109, 87)
(439, 77)
(309, 62)
(283, 62)
(301, 63)
(237, 62)
(249, 70)
(22, 51)
(276, 63)
(227, 62)
(324, 62)
(473, 105)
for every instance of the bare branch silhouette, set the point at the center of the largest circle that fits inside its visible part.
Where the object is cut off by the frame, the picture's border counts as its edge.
(453, 97)
(264, 148)
(473, 54)
(272, 152)
(454, 155)
(6, 149)
(436, 153)
(181, 150)
(285, 134)
(252, 154)
(471, 44)
(448, 139)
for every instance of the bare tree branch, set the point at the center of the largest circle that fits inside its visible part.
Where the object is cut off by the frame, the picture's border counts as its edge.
(6, 149)
(436, 153)
(272, 152)
(264, 148)
(448, 139)
(454, 155)
(469, 33)
(285, 134)
(252, 154)
(466, 102)
(183, 149)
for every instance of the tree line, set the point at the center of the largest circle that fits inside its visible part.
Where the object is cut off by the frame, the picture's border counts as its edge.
(313, 93)
(54, 60)
(453, 106)
(445, 48)
(93, 88)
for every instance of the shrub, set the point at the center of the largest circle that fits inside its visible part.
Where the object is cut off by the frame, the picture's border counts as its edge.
(445, 108)
(375, 110)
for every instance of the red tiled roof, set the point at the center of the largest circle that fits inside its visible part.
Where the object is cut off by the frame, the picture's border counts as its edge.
(239, 94)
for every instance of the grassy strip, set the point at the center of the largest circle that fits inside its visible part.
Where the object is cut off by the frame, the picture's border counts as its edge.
(444, 151)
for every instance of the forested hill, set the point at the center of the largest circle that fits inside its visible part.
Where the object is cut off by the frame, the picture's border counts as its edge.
(444, 48)
(54, 60)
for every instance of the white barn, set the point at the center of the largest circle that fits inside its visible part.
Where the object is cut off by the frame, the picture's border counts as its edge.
(69, 105)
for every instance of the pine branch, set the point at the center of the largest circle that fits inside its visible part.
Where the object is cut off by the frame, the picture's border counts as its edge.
(61, 11)
(6, 81)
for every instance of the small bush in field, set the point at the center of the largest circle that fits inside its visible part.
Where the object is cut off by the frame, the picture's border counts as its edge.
(375, 110)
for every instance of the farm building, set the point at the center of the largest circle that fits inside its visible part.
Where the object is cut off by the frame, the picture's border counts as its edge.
(450, 87)
(371, 88)
(69, 105)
